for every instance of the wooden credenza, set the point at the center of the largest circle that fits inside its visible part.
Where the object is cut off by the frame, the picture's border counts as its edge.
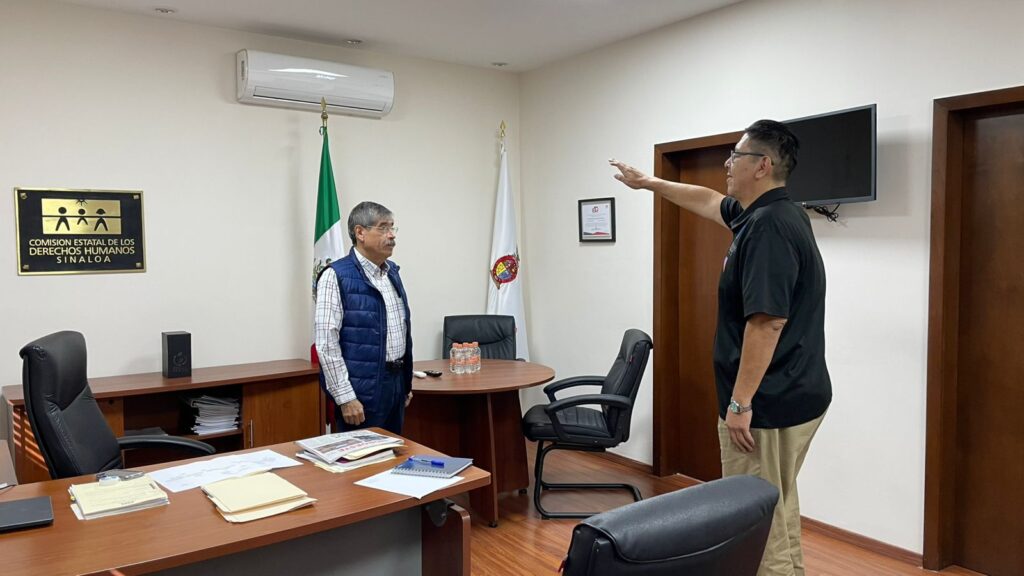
(280, 401)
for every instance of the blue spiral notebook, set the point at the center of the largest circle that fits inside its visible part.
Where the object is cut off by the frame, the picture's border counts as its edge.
(434, 466)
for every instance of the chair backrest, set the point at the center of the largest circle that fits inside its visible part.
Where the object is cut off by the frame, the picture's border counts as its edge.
(624, 379)
(720, 527)
(496, 334)
(67, 423)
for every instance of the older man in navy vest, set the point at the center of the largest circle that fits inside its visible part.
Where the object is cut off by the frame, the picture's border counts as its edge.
(363, 338)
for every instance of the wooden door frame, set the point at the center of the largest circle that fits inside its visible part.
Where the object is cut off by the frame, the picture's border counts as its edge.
(668, 427)
(943, 315)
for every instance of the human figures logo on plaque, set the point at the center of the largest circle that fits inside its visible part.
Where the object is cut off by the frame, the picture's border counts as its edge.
(79, 231)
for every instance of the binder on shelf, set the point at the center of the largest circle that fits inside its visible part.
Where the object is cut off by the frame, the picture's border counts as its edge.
(433, 466)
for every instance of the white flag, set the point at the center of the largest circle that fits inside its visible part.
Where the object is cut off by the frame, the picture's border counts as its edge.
(505, 290)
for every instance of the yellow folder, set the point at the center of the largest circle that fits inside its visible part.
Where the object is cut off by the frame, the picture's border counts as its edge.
(259, 490)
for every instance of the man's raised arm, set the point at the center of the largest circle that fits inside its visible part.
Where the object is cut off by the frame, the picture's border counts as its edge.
(702, 201)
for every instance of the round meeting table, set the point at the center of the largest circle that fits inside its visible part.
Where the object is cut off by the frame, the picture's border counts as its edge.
(477, 416)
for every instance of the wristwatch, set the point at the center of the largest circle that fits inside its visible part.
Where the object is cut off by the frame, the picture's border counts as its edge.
(735, 407)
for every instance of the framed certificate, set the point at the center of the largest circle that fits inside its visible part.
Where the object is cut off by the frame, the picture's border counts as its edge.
(597, 220)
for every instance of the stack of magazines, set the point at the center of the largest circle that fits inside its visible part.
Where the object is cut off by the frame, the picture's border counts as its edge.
(215, 415)
(343, 451)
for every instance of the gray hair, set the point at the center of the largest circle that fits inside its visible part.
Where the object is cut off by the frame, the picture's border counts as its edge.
(367, 215)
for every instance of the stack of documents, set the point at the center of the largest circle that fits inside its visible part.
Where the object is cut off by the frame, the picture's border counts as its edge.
(254, 497)
(214, 414)
(95, 500)
(345, 465)
(348, 446)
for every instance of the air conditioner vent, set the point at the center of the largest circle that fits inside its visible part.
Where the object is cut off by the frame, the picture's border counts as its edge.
(291, 82)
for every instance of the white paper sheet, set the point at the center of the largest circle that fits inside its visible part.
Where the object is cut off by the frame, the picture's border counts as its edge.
(187, 476)
(415, 486)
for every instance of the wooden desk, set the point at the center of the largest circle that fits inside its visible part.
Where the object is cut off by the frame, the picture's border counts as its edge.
(190, 531)
(280, 401)
(477, 416)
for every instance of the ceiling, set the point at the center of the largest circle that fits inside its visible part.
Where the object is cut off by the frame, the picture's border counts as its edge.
(524, 34)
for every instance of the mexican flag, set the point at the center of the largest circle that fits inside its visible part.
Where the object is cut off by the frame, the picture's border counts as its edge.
(328, 240)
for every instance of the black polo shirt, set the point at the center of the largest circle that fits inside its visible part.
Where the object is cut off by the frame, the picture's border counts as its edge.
(773, 267)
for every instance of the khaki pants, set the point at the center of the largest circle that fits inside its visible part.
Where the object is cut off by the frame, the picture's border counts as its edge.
(777, 457)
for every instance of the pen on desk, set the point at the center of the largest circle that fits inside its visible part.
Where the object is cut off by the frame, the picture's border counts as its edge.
(426, 461)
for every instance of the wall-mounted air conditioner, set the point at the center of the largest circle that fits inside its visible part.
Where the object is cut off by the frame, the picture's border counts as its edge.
(291, 82)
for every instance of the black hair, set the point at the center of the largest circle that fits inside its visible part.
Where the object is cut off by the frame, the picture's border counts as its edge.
(782, 146)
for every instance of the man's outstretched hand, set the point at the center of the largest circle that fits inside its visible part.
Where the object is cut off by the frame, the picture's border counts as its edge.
(630, 176)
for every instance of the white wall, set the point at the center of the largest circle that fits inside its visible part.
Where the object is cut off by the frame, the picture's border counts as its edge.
(97, 99)
(718, 73)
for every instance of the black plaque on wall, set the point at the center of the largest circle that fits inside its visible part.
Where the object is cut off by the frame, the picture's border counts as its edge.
(79, 231)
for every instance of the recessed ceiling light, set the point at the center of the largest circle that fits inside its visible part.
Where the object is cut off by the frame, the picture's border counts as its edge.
(353, 42)
(164, 10)
(499, 64)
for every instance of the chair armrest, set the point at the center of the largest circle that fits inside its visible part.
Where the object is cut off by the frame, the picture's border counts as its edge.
(161, 441)
(555, 407)
(564, 383)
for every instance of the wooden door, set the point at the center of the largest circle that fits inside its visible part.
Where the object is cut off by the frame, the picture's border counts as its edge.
(281, 411)
(989, 501)
(688, 255)
(975, 431)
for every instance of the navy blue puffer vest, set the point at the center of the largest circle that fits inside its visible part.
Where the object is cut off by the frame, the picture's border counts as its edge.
(363, 334)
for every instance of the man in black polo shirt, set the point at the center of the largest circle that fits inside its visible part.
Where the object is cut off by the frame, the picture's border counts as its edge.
(772, 383)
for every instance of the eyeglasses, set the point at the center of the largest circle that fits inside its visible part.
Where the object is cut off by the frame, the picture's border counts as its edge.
(385, 230)
(734, 154)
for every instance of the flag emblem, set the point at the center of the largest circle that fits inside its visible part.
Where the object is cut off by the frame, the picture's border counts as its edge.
(505, 269)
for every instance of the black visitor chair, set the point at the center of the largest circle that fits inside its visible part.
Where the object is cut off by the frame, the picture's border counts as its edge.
(496, 334)
(715, 529)
(567, 424)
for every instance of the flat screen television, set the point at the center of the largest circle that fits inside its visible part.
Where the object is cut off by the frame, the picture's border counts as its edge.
(836, 164)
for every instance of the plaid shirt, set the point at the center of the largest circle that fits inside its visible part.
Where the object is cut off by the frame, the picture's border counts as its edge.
(327, 325)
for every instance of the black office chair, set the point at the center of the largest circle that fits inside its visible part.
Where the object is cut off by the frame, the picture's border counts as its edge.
(66, 421)
(567, 425)
(714, 529)
(496, 334)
